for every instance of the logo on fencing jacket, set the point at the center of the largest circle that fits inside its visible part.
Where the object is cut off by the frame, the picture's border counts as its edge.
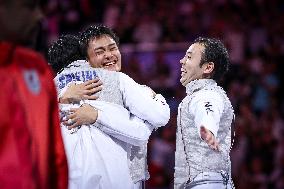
(32, 81)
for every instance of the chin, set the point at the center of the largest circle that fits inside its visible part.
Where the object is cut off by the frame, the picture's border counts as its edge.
(116, 69)
(183, 82)
(113, 68)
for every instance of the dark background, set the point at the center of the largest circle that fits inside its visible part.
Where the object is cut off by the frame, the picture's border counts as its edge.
(154, 36)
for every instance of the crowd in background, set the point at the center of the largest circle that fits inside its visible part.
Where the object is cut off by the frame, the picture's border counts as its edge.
(253, 31)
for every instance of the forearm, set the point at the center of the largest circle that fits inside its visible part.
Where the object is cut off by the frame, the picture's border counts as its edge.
(136, 135)
(156, 111)
(118, 123)
(141, 103)
(161, 110)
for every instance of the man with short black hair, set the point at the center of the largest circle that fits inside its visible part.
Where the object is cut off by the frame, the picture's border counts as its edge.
(204, 116)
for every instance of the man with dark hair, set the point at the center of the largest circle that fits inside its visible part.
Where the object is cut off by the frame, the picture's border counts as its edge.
(99, 46)
(204, 116)
(63, 52)
(31, 147)
(90, 33)
(94, 53)
(122, 137)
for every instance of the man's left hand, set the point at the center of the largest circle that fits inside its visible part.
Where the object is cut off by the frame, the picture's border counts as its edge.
(209, 138)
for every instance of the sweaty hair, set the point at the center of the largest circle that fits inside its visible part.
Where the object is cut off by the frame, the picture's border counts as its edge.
(216, 52)
(63, 52)
(92, 32)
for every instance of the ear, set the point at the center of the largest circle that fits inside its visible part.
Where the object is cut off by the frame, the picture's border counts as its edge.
(208, 68)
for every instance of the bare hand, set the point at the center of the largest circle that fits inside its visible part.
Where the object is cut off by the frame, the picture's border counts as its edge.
(84, 115)
(84, 91)
(209, 138)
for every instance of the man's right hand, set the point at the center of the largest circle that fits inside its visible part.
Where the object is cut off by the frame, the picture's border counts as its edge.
(84, 115)
(83, 91)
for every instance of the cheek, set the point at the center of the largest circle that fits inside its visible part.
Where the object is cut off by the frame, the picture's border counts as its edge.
(117, 66)
(188, 67)
(119, 62)
(95, 62)
(117, 54)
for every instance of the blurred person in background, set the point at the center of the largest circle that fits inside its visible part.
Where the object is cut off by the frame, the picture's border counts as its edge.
(204, 115)
(31, 147)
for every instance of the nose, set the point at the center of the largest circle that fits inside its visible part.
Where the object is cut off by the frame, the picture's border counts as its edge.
(108, 54)
(182, 61)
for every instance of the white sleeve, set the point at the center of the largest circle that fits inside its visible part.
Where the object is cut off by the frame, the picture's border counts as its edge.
(207, 108)
(117, 122)
(140, 103)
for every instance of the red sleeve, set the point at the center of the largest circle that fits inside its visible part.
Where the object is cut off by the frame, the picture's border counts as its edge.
(57, 162)
(31, 146)
(15, 139)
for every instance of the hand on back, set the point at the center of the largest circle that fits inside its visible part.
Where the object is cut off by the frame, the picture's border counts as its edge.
(83, 91)
(84, 115)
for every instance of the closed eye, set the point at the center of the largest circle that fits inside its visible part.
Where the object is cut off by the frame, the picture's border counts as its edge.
(113, 48)
(99, 52)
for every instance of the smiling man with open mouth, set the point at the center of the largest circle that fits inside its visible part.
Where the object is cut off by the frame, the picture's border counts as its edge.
(102, 52)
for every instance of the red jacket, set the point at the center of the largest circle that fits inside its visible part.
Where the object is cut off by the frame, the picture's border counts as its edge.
(31, 147)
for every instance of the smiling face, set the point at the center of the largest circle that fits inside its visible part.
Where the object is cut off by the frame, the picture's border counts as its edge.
(103, 52)
(190, 64)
